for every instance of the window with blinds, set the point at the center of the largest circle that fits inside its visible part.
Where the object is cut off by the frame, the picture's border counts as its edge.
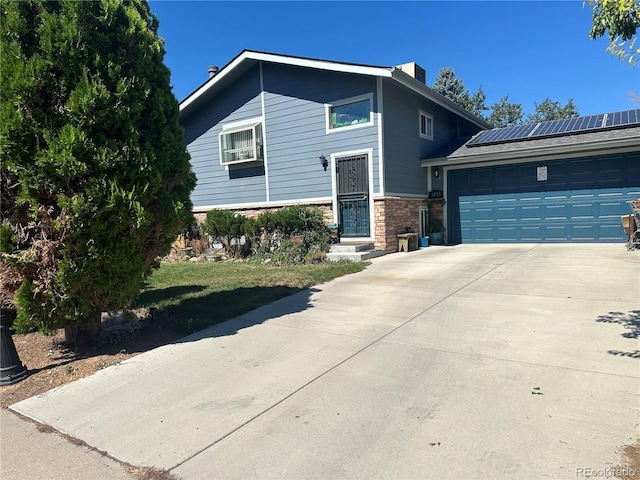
(241, 144)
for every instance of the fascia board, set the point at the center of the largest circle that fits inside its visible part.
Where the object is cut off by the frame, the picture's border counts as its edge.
(224, 72)
(419, 87)
(558, 151)
(320, 64)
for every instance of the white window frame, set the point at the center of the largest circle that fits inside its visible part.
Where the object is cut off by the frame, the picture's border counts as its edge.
(428, 121)
(346, 101)
(258, 146)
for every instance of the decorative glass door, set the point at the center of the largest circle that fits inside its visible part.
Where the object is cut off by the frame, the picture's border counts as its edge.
(352, 182)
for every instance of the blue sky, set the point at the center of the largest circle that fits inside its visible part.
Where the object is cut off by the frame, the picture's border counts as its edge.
(527, 50)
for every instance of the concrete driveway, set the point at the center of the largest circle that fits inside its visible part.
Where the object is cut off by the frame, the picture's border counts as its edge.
(494, 362)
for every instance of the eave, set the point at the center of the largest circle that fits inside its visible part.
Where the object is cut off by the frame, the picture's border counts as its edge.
(248, 58)
(526, 151)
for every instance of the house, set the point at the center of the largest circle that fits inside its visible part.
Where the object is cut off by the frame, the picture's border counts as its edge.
(375, 148)
(557, 181)
(270, 130)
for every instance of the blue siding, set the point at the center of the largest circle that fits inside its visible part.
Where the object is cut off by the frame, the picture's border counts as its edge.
(404, 148)
(295, 128)
(217, 185)
(582, 200)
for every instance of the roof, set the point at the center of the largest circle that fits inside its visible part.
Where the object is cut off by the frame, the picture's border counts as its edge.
(624, 138)
(247, 58)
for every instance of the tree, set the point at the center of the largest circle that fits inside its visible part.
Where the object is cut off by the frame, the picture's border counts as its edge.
(95, 175)
(477, 103)
(450, 86)
(550, 110)
(505, 113)
(619, 19)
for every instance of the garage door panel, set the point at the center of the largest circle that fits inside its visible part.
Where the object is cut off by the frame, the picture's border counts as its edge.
(531, 213)
(531, 233)
(555, 233)
(510, 234)
(582, 233)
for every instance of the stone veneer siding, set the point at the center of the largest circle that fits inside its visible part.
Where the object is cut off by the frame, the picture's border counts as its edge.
(392, 215)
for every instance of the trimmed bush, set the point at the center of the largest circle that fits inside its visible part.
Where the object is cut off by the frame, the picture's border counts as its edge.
(233, 230)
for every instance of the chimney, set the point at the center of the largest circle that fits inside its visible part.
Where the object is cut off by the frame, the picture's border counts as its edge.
(212, 70)
(415, 70)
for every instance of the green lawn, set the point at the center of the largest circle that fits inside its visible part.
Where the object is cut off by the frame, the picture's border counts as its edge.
(192, 296)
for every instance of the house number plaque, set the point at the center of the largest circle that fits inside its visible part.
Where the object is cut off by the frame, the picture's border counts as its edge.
(542, 173)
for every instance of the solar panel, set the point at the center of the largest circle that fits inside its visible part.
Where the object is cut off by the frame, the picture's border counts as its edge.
(554, 128)
(618, 119)
(499, 135)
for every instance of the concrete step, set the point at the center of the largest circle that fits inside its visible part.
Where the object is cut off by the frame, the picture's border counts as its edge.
(351, 247)
(359, 256)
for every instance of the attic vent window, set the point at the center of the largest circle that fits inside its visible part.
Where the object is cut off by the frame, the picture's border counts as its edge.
(241, 144)
(349, 113)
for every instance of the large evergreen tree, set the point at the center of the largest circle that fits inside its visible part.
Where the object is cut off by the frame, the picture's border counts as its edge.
(95, 174)
(449, 85)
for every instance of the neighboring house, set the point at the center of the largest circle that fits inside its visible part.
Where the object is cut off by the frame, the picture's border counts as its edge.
(559, 181)
(369, 145)
(270, 130)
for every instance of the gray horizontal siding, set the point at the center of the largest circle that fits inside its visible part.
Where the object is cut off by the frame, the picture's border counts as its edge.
(403, 145)
(295, 101)
(217, 185)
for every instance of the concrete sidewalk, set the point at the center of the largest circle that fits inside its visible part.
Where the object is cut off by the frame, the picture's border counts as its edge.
(496, 361)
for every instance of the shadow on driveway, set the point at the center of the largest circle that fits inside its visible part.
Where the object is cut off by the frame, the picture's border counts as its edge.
(631, 323)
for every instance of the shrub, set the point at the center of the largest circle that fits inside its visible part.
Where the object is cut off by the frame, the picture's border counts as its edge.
(233, 230)
(291, 220)
(291, 235)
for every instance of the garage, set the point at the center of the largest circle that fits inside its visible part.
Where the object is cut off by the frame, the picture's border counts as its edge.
(557, 181)
(555, 201)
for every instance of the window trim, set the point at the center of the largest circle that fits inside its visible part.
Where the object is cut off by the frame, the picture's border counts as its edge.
(258, 154)
(346, 101)
(425, 135)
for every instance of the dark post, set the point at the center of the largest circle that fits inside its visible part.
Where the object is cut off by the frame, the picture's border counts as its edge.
(11, 370)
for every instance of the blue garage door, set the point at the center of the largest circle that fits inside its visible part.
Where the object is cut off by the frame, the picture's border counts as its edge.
(576, 201)
(565, 216)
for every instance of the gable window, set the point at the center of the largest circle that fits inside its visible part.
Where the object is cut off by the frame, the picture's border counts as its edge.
(241, 144)
(351, 112)
(426, 125)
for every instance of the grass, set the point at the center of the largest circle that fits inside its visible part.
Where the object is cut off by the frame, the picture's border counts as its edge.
(193, 296)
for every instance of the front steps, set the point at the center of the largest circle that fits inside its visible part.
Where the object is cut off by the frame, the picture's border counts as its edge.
(353, 252)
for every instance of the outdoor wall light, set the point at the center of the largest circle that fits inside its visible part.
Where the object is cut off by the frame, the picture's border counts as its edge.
(324, 162)
(436, 172)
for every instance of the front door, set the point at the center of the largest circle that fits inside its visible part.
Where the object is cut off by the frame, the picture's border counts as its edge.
(352, 181)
